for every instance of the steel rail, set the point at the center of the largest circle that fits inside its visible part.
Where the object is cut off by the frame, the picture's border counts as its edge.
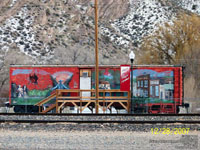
(67, 114)
(102, 121)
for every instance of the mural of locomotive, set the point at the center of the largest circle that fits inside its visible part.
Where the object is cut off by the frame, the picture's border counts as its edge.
(151, 85)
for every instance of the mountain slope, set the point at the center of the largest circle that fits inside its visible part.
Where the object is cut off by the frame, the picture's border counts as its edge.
(62, 31)
(38, 28)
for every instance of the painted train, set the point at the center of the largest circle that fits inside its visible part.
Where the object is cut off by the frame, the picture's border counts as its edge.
(155, 89)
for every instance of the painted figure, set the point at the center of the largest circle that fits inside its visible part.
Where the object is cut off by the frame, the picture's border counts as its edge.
(107, 86)
(20, 91)
(59, 86)
(33, 78)
(14, 92)
(25, 91)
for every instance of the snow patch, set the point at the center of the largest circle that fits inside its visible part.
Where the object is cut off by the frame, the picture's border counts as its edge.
(191, 5)
(13, 2)
(18, 29)
(143, 19)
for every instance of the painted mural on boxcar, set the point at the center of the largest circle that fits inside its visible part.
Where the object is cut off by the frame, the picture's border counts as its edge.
(153, 86)
(108, 78)
(31, 85)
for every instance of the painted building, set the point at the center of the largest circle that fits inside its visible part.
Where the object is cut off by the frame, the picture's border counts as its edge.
(154, 88)
(156, 85)
(143, 85)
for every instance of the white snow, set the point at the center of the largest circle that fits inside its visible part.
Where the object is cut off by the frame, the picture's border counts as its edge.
(13, 2)
(191, 5)
(143, 18)
(115, 38)
(18, 29)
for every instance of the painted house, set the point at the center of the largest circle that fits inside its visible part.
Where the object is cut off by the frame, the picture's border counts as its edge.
(166, 91)
(154, 88)
(143, 85)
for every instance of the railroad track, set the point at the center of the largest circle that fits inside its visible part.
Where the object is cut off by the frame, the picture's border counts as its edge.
(101, 118)
(86, 114)
(100, 121)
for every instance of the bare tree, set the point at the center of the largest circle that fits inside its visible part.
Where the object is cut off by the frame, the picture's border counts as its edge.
(176, 43)
(170, 43)
(76, 54)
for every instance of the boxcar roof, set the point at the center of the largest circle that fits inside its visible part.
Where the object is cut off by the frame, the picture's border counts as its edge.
(89, 66)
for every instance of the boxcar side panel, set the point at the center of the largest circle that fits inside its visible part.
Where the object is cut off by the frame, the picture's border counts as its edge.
(29, 85)
(109, 78)
(157, 85)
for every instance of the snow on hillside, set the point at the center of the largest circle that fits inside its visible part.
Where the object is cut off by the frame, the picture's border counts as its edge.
(143, 19)
(191, 5)
(62, 31)
(13, 2)
(18, 30)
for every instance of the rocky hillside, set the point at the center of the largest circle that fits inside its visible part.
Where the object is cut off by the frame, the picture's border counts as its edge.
(62, 31)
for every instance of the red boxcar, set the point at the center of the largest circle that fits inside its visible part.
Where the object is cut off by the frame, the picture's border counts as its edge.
(156, 89)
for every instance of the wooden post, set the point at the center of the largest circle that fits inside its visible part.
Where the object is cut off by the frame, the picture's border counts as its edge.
(104, 93)
(96, 58)
(81, 95)
(57, 94)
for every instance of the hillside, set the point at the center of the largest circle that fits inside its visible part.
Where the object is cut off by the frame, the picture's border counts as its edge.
(62, 31)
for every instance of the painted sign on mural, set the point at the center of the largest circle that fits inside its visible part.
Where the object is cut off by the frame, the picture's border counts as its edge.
(125, 77)
(31, 85)
(153, 85)
(108, 79)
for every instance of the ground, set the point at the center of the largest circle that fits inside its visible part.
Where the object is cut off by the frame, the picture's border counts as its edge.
(98, 140)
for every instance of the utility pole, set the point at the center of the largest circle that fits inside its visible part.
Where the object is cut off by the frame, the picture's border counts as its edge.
(96, 58)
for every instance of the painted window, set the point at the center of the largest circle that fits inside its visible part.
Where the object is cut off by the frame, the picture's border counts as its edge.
(151, 90)
(141, 93)
(145, 93)
(138, 83)
(141, 83)
(157, 90)
(145, 83)
(161, 95)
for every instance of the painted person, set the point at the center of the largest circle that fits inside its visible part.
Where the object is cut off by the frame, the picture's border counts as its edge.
(20, 91)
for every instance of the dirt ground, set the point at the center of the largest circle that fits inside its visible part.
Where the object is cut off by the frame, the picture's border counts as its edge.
(96, 140)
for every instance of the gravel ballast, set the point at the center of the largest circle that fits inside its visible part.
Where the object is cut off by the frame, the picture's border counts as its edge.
(91, 117)
(92, 140)
(95, 136)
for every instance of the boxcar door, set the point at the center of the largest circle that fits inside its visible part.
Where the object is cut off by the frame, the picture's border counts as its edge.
(85, 82)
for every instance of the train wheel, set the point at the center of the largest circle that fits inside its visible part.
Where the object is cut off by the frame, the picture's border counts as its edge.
(177, 109)
(16, 109)
(19, 109)
(33, 109)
